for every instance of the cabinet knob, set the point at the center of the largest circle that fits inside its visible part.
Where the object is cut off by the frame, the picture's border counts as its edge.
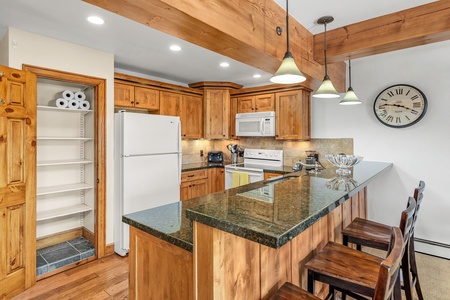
(132, 102)
(137, 102)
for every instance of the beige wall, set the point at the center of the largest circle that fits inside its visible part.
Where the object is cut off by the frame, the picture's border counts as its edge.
(293, 150)
(4, 49)
(49, 53)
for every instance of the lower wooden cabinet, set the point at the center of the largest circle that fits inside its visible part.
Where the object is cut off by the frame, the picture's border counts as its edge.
(201, 182)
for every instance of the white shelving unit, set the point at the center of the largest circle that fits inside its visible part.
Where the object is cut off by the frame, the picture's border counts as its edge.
(65, 162)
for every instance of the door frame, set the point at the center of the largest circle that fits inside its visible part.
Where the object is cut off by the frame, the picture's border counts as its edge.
(100, 137)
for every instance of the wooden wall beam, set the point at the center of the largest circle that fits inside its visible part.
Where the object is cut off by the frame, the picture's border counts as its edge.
(244, 30)
(417, 26)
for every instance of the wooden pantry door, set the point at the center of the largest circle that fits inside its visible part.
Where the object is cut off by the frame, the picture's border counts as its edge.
(17, 181)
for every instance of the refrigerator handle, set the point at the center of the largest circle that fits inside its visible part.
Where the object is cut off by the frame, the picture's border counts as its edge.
(179, 153)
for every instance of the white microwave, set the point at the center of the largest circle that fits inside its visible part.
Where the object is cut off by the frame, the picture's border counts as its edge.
(255, 124)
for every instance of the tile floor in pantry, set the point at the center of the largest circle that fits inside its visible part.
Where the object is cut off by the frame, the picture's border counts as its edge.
(57, 256)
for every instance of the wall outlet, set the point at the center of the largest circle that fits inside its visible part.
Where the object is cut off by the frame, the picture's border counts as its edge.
(201, 153)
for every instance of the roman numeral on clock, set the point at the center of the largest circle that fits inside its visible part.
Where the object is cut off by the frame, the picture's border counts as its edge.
(414, 97)
(417, 104)
(390, 93)
(397, 120)
(390, 118)
(399, 91)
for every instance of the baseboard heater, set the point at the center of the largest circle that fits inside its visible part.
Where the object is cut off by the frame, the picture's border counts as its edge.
(432, 247)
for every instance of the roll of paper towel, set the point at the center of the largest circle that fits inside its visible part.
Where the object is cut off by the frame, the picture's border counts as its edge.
(80, 96)
(74, 104)
(60, 103)
(68, 95)
(85, 105)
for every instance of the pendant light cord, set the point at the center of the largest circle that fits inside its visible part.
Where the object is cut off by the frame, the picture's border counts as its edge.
(287, 25)
(350, 72)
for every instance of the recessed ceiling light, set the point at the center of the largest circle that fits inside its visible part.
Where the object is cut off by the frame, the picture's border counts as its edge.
(96, 20)
(224, 65)
(257, 76)
(175, 48)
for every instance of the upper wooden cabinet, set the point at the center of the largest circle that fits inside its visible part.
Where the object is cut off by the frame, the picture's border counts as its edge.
(217, 113)
(256, 103)
(127, 95)
(170, 103)
(191, 117)
(293, 117)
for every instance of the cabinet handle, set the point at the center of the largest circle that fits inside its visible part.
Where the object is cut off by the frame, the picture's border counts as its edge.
(132, 102)
(137, 102)
(256, 108)
(191, 175)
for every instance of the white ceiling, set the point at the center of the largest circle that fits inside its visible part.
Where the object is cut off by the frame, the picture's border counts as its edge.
(141, 49)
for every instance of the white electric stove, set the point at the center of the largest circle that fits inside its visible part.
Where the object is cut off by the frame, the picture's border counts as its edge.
(255, 162)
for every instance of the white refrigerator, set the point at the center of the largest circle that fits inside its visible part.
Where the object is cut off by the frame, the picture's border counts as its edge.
(147, 167)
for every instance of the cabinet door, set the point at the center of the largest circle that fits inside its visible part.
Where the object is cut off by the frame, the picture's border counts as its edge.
(123, 95)
(233, 112)
(184, 191)
(169, 103)
(217, 112)
(246, 104)
(199, 188)
(265, 102)
(191, 117)
(220, 179)
(17, 181)
(146, 98)
(293, 115)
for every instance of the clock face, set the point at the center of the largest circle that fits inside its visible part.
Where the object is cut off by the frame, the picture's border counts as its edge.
(400, 105)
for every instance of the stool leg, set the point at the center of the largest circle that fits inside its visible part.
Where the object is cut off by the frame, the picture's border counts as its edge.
(398, 289)
(345, 240)
(405, 272)
(413, 267)
(311, 282)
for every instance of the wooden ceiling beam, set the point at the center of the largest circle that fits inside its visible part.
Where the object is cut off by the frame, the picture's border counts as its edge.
(244, 30)
(417, 26)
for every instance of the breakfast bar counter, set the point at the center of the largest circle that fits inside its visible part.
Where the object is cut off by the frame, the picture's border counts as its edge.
(245, 242)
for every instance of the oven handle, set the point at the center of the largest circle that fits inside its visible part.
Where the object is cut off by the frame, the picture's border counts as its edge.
(249, 172)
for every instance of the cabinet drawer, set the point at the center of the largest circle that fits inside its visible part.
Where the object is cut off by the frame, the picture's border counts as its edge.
(194, 175)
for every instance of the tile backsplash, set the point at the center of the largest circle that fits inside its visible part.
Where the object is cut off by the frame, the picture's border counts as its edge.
(293, 150)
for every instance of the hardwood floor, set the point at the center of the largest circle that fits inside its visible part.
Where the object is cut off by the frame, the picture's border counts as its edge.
(106, 278)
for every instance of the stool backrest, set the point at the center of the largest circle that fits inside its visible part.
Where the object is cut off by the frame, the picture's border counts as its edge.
(418, 195)
(390, 267)
(407, 219)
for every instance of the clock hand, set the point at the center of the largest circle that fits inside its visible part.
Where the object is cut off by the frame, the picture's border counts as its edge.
(396, 105)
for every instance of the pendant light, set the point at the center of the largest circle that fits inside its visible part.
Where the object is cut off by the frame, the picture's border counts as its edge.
(326, 89)
(288, 72)
(350, 97)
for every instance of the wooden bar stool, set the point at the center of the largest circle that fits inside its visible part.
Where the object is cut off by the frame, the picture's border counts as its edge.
(288, 291)
(376, 235)
(359, 274)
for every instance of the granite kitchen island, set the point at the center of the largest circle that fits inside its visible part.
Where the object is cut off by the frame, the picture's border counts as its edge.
(245, 242)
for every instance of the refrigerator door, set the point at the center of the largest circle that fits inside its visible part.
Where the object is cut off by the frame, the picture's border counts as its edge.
(149, 134)
(148, 181)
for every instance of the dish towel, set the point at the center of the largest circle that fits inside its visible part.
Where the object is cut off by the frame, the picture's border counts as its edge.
(235, 178)
(244, 178)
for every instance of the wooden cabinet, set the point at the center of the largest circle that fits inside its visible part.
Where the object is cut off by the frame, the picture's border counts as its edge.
(293, 115)
(191, 116)
(256, 103)
(169, 103)
(217, 113)
(127, 95)
(194, 184)
(268, 175)
(216, 178)
(233, 112)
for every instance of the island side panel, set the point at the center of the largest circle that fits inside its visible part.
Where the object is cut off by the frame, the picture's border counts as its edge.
(235, 264)
(275, 268)
(158, 270)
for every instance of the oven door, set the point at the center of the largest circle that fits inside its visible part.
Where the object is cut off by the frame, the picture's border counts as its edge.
(255, 175)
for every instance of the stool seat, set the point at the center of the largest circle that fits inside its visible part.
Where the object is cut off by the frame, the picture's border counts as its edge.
(368, 233)
(292, 292)
(357, 269)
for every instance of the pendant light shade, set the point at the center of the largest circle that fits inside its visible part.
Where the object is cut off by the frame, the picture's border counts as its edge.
(288, 72)
(350, 97)
(326, 89)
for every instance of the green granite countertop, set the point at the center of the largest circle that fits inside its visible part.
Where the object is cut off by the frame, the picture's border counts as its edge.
(269, 212)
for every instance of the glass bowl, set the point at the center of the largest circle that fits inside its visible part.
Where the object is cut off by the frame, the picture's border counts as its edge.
(343, 162)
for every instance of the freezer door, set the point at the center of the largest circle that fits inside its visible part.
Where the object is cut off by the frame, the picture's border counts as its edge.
(149, 134)
(148, 181)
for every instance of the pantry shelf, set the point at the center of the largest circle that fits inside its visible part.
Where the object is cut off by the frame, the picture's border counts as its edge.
(62, 212)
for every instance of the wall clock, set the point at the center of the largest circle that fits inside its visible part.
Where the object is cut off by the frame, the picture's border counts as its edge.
(400, 106)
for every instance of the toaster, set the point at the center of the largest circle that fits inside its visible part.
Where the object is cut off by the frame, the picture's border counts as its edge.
(215, 156)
